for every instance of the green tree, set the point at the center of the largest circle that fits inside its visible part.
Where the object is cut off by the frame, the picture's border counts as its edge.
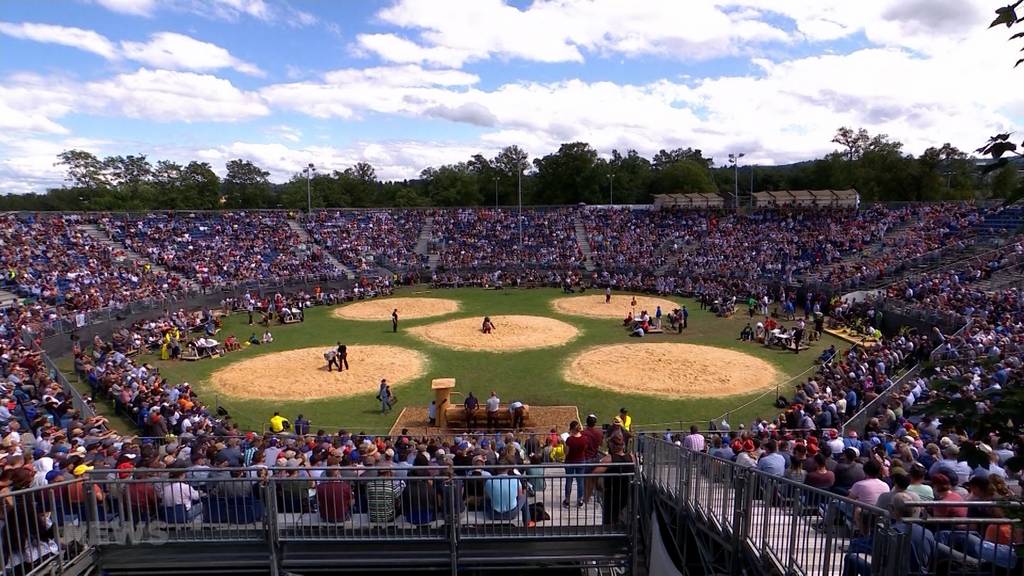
(632, 176)
(1005, 181)
(682, 177)
(451, 185)
(570, 175)
(246, 185)
(83, 169)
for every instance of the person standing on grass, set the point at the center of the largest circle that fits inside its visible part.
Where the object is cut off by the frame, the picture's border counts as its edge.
(686, 317)
(607, 294)
(575, 458)
(798, 335)
(384, 395)
(394, 320)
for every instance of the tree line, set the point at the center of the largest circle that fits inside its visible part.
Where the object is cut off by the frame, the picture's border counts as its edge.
(873, 164)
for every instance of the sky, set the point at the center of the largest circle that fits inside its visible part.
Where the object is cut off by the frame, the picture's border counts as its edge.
(407, 84)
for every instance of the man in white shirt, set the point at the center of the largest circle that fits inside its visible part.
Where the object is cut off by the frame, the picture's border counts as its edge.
(181, 494)
(694, 440)
(493, 403)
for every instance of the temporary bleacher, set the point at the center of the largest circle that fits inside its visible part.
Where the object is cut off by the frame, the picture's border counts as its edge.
(818, 198)
(693, 201)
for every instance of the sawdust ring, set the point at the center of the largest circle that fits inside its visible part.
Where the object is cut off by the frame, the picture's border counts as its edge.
(670, 370)
(302, 374)
(408, 309)
(593, 306)
(511, 333)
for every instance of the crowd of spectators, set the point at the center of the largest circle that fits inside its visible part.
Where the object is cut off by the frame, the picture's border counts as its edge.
(220, 248)
(489, 239)
(49, 259)
(360, 239)
(928, 228)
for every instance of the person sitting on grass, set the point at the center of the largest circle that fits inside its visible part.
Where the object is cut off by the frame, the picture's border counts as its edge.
(267, 336)
(231, 343)
(488, 326)
(747, 334)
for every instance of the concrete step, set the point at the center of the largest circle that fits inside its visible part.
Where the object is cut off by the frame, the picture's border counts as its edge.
(101, 236)
(423, 243)
(8, 298)
(584, 244)
(300, 230)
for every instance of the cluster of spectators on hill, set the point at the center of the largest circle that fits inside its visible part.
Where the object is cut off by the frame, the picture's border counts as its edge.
(219, 248)
(489, 239)
(360, 239)
(49, 259)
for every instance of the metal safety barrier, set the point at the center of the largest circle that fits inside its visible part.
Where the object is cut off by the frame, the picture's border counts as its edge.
(746, 517)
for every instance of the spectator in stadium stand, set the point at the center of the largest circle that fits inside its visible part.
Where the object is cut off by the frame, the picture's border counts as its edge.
(820, 476)
(771, 461)
(576, 454)
(694, 440)
(506, 495)
(595, 438)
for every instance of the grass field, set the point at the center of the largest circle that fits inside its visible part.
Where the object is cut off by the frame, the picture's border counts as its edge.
(531, 376)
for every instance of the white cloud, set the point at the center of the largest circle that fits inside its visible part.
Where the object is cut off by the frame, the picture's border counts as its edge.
(389, 90)
(454, 31)
(393, 48)
(32, 103)
(167, 96)
(163, 50)
(286, 132)
(29, 164)
(131, 7)
(64, 35)
(180, 52)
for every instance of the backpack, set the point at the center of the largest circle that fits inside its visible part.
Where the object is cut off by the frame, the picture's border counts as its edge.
(538, 513)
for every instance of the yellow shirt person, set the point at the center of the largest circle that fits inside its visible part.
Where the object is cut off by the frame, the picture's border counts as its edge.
(627, 420)
(278, 423)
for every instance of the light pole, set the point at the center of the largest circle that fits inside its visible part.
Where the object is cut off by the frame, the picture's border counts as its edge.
(734, 159)
(309, 171)
(611, 189)
(496, 180)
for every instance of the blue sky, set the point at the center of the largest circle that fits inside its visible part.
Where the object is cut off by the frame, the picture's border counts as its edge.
(406, 84)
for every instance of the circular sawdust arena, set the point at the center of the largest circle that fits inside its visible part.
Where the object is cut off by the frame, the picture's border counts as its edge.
(302, 374)
(408, 309)
(671, 370)
(511, 333)
(620, 305)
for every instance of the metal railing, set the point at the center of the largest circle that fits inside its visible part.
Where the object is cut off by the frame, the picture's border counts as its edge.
(784, 526)
(446, 505)
(36, 530)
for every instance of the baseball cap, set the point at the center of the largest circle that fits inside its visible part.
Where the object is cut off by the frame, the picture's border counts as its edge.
(81, 469)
